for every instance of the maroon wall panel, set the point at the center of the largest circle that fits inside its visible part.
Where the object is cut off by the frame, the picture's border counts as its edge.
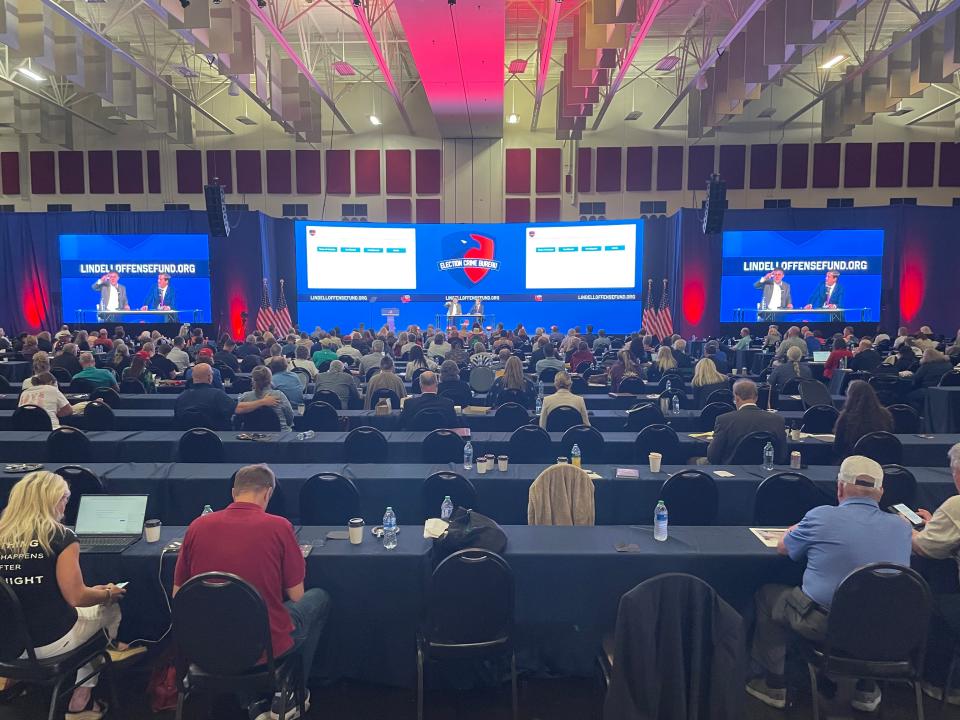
(399, 167)
(548, 210)
(399, 210)
(826, 165)
(366, 168)
(429, 209)
(517, 171)
(549, 162)
(517, 210)
(670, 167)
(890, 164)
(153, 171)
(249, 175)
(949, 164)
(308, 172)
(640, 169)
(699, 166)
(100, 167)
(70, 166)
(794, 166)
(338, 172)
(609, 162)
(920, 164)
(278, 172)
(857, 164)
(220, 166)
(763, 167)
(429, 172)
(130, 172)
(733, 165)
(43, 173)
(189, 172)
(10, 172)
(584, 170)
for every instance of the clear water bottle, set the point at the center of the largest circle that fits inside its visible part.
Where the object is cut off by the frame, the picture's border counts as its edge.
(660, 521)
(446, 509)
(575, 455)
(389, 529)
(540, 389)
(468, 455)
(675, 405)
(768, 456)
(305, 435)
(206, 510)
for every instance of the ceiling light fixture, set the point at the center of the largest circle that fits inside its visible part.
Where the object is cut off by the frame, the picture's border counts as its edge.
(343, 68)
(31, 73)
(667, 63)
(513, 118)
(517, 67)
(833, 62)
(374, 120)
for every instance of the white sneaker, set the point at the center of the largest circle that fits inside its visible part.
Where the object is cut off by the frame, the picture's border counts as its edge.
(774, 697)
(293, 711)
(866, 700)
(936, 692)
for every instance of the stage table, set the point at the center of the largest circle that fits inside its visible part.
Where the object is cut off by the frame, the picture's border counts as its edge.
(16, 370)
(942, 409)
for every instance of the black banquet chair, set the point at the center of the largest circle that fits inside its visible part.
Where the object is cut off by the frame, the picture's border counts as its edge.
(721, 396)
(899, 486)
(814, 392)
(530, 444)
(68, 444)
(881, 446)
(562, 418)
(657, 438)
(132, 386)
(387, 393)
(691, 498)
(329, 397)
(428, 419)
(877, 596)
(5, 388)
(200, 445)
(82, 481)
(222, 639)
(642, 415)
(632, 385)
(320, 416)
(784, 498)
(106, 395)
(31, 417)
(950, 379)
(588, 439)
(329, 499)
(819, 419)
(365, 445)
(263, 419)
(469, 615)
(749, 451)
(710, 413)
(437, 486)
(442, 446)
(509, 416)
(547, 375)
(19, 662)
(906, 420)
(97, 415)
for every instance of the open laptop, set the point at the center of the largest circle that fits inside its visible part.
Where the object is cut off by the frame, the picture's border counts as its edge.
(821, 355)
(110, 523)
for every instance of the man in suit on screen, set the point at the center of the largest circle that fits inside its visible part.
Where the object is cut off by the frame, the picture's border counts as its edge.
(776, 293)
(162, 297)
(113, 295)
(829, 294)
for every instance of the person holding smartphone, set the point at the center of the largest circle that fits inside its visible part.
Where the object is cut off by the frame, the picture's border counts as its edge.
(40, 561)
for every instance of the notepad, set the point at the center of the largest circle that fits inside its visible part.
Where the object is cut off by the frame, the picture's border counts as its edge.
(723, 473)
(702, 436)
(825, 437)
(476, 410)
(592, 475)
(770, 537)
(628, 473)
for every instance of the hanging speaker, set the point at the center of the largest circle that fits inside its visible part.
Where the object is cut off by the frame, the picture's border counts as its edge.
(216, 210)
(715, 205)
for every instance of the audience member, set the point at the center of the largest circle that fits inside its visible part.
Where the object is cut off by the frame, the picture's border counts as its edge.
(513, 378)
(706, 381)
(263, 380)
(789, 369)
(814, 343)
(550, 360)
(792, 339)
(933, 366)
(226, 355)
(100, 377)
(562, 396)
(439, 346)
(138, 371)
(372, 359)
(339, 381)
(41, 364)
(624, 367)
(865, 359)
(204, 357)
(416, 360)
(732, 427)
(385, 379)
(538, 352)
(602, 342)
(203, 401)
(451, 384)
(836, 358)
(480, 356)
(302, 360)
(67, 359)
(177, 355)
(862, 413)
(925, 340)
(429, 400)
(43, 392)
(286, 381)
(457, 352)
(662, 364)
(679, 349)
(582, 355)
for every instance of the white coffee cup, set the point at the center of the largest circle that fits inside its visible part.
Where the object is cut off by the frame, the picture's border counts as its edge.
(655, 460)
(151, 531)
(355, 530)
(503, 462)
(482, 465)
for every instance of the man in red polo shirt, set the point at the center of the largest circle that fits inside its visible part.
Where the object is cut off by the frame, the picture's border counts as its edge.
(263, 550)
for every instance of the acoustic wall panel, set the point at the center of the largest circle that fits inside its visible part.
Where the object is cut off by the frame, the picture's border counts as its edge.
(609, 169)
(826, 165)
(153, 171)
(399, 210)
(584, 169)
(857, 164)
(70, 165)
(794, 166)
(670, 167)
(249, 175)
(516, 210)
(43, 173)
(338, 172)
(399, 172)
(100, 169)
(279, 171)
(548, 209)
(366, 169)
(700, 164)
(10, 172)
(308, 172)
(949, 164)
(429, 210)
(889, 164)
(129, 172)
(429, 173)
(189, 172)
(220, 169)
(763, 167)
(640, 169)
(517, 171)
(549, 167)
(920, 164)
(733, 165)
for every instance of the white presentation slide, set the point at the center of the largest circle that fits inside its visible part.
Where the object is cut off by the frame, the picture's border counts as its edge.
(581, 256)
(346, 258)
(111, 514)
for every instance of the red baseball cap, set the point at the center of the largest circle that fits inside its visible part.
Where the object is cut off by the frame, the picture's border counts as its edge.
(205, 352)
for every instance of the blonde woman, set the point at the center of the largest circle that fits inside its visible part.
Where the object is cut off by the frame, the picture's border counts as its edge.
(512, 379)
(707, 380)
(40, 561)
(41, 364)
(663, 363)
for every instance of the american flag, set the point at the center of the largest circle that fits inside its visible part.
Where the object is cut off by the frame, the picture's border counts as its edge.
(266, 317)
(663, 318)
(282, 315)
(649, 314)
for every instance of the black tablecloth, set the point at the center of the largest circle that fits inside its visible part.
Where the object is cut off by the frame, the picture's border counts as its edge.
(942, 409)
(16, 370)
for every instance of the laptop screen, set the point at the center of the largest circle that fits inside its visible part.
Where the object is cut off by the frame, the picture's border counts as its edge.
(111, 514)
(820, 355)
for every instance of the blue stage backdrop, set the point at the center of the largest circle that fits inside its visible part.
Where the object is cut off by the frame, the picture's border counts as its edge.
(805, 257)
(569, 274)
(137, 259)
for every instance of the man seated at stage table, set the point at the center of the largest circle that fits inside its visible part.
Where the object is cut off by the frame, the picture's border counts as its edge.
(776, 292)
(452, 306)
(732, 427)
(262, 549)
(338, 380)
(286, 381)
(162, 297)
(67, 359)
(212, 404)
(828, 294)
(550, 360)
(563, 396)
(429, 400)
(387, 379)
(793, 339)
(834, 541)
(100, 377)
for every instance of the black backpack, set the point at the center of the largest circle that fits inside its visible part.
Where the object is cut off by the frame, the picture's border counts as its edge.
(469, 529)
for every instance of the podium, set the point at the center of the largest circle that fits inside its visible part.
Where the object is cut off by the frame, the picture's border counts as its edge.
(391, 314)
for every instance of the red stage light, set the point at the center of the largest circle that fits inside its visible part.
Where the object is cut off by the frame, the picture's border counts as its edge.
(912, 285)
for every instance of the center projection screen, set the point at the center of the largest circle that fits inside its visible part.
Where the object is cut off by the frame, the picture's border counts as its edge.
(538, 275)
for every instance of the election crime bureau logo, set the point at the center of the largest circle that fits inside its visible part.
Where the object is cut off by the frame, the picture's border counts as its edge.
(474, 256)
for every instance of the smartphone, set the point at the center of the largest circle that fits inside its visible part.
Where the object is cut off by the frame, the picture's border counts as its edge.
(123, 584)
(909, 514)
(338, 535)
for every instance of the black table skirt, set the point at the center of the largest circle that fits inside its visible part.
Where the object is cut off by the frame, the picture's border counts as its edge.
(16, 370)
(942, 409)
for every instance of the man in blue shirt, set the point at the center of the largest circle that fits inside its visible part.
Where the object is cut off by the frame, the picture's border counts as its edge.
(286, 381)
(834, 541)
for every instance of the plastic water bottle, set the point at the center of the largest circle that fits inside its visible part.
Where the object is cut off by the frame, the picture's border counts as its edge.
(660, 521)
(468, 455)
(206, 510)
(575, 455)
(768, 456)
(389, 529)
(675, 405)
(446, 509)
(539, 406)
(305, 435)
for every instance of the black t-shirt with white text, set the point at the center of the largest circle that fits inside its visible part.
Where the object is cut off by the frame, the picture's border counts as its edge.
(32, 574)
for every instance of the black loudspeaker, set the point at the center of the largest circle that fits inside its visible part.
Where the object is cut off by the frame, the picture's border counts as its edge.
(715, 205)
(216, 210)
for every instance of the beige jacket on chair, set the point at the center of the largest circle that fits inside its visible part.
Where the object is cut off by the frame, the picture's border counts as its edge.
(561, 495)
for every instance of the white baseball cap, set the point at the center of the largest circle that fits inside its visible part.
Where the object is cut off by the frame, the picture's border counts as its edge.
(861, 471)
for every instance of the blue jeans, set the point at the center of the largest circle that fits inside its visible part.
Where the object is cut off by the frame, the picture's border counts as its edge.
(309, 616)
